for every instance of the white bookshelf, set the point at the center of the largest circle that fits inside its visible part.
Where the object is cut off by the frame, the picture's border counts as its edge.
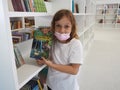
(107, 15)
(26, 72)
(13, 78)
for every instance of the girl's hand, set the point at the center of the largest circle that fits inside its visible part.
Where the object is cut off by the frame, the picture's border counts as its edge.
(47, 62)
(40, 62)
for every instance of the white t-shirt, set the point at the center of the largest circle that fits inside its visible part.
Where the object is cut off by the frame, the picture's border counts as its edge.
(65, 54)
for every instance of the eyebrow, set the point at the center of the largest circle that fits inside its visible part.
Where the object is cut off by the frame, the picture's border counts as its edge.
(64, 24)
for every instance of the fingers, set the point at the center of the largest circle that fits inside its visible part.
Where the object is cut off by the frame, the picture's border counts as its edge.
(43, 58)
(46, 61)
(40, 62)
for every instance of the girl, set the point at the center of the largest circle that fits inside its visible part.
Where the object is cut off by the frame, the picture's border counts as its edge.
(66, 53)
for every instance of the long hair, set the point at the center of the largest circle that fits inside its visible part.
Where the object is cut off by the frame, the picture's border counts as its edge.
(59, 15)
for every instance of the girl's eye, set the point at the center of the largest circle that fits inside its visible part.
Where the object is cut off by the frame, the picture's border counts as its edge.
(66, 26)
(57, 25)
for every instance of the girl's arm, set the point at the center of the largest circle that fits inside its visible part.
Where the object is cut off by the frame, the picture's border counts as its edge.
(71, 69)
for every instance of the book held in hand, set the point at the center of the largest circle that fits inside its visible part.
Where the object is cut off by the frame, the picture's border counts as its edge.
(42, 41)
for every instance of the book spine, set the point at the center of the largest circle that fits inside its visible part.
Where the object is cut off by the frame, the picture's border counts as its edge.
(35, 5)
(19, 56)
(23, 5)
(39, 84)
(40, 6)
(73, 6)
(14, 5)
(26, 5)
(10, 5)
(19, 4)
(31, 5)
(16, 60)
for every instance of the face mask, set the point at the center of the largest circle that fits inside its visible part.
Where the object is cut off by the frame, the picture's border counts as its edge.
(62, 37)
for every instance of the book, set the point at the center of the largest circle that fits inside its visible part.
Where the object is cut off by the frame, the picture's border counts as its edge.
(20, 36)
(42, 41)
(27, 6)
(10, 5)
(73, 6)
(23, 5)
(33, 84)
(37, 79)
(26, 87)
(31, 3)
(17, 5)
(16, 60)
(43, 75)
(101, 21)
(76, 8)
(119, 11)
(16, 39)
(40, 6)
(19, 59)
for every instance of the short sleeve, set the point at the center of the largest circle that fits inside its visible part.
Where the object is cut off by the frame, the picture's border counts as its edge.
(76, 53)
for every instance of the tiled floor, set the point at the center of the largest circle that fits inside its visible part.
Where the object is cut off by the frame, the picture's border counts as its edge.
(101, 68)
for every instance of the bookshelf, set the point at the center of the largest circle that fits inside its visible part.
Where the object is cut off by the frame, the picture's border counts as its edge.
(107, 15)
(13, 78)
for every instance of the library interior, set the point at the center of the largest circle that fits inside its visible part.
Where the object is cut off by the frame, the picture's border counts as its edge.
(26, 36)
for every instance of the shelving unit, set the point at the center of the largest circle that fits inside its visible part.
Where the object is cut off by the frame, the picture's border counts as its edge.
(13, 78)
(107, 15)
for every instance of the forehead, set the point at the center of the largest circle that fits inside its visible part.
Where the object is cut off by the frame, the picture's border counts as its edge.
(64, 20)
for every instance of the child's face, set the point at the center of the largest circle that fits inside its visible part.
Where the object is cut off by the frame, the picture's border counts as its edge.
(63, 26)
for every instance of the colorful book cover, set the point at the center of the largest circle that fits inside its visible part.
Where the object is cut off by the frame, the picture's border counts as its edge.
(42, 41)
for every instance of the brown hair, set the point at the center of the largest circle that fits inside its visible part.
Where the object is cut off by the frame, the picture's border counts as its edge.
(60, 14)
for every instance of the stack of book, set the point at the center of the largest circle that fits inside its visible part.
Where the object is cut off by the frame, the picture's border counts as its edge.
(24, 35)
(16, 24)
(27, 5)
(29, 22)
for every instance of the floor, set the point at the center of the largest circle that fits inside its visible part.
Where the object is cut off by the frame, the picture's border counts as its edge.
(101, 68)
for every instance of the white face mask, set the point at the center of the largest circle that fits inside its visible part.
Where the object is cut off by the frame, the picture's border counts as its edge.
(62, 37)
